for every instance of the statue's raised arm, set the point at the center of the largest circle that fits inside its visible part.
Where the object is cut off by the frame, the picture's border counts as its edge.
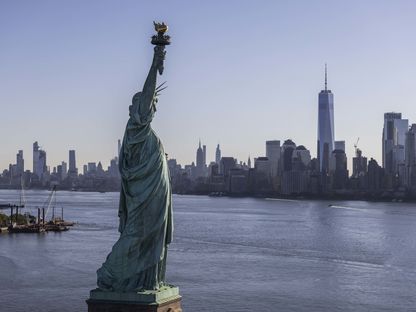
(144, 102)
(149, 88)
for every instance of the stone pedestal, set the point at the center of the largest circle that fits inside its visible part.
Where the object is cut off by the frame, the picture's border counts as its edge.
(166, 299)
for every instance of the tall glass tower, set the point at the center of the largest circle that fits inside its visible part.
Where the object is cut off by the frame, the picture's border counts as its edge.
(325, 126)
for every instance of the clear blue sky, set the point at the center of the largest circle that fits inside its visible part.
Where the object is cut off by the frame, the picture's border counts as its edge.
(239, 73)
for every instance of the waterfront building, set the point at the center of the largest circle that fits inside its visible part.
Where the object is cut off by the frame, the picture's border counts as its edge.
(394, 138)
(238, 181)
(375, 176)
(359, 164)
(226, 164)
(410, 157)
(262, 176)
(85, 169)
(262, 166)
(359, 178)
(314, 186)
(339, 171)
(287, 150)
(218, 154)
(325, 127)
(296, 180)
(273, 152)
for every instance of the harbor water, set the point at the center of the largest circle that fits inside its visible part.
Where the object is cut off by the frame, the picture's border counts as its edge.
(228, 254)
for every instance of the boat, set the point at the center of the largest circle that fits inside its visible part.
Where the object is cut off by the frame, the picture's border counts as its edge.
(26, 228)
(55, 224)
(39, 224)
(52, 227)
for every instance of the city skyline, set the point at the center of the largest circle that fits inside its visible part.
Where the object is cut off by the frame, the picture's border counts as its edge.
(75, 75)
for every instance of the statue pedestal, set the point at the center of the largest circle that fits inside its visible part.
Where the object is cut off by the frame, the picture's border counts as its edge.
(166, 299)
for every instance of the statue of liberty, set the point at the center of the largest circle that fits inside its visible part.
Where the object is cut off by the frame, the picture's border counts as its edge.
(137, 261)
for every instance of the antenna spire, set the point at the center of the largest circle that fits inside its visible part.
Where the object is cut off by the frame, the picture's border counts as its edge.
(326, 78)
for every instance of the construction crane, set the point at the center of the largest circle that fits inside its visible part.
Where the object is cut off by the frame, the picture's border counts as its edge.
(356, 147)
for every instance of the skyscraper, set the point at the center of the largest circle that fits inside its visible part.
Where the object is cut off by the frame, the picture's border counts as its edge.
(288, 148)
(200, 161)
(204, 153)
(64, 170)
(35, 158)
(339, 172)
(72, 170)
(325, 126)
(359, 164)
(199, 156)
(218, 154)
(302, 155)
(394, 140)
(20, 164)
(273, 154)
(39, 161)
(339, 145)
(43, 169)
(410, 157)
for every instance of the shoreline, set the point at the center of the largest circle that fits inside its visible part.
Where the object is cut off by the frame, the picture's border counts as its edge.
(386, 196)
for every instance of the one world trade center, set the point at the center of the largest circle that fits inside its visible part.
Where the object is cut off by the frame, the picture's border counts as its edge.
(325, 127)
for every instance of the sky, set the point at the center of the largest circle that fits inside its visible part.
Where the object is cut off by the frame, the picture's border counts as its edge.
(238, 73)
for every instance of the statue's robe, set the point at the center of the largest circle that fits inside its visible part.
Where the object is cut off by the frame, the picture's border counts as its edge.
(138, 259)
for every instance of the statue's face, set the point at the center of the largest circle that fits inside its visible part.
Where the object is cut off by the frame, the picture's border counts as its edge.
(136, 97)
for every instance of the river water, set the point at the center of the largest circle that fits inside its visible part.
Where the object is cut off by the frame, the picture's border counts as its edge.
(228, 254)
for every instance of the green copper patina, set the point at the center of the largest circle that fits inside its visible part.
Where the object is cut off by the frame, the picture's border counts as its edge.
(137, 261)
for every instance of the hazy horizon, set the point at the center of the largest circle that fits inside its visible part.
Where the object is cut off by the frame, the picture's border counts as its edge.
(238, 73)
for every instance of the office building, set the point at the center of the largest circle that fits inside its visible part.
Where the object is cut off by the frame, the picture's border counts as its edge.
(325, 127)
(20, 164)
(273, 152)
(218, 154)
(72, 170)
(39, 161)
(394, 139)
(287, 150)
(339, 145)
